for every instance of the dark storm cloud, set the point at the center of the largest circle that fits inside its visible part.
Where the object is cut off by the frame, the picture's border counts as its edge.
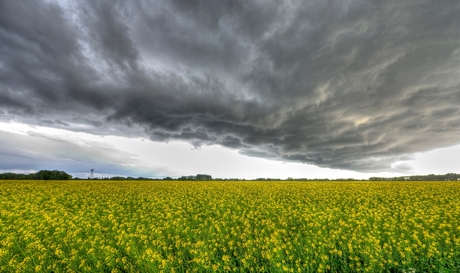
(354, 85)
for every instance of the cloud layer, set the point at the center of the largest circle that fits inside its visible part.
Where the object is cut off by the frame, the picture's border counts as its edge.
(353, 85)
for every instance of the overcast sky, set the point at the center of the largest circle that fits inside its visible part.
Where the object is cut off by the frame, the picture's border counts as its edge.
(230, 88)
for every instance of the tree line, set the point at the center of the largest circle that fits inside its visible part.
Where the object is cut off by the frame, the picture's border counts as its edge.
(41, 175)
(430, 177)
(61, 175)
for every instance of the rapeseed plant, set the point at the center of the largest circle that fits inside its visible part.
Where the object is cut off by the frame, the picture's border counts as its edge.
(98, 226)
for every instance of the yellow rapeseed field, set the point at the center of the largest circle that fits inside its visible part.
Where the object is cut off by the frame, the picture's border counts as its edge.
(122, 226)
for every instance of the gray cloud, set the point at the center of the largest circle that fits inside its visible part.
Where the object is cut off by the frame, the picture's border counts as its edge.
(36, 151)
(342, 84)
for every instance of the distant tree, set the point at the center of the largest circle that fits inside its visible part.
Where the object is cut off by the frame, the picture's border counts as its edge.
(41, 175)
(118, 178)
(203, 177)
(14, 176)
(52, 175)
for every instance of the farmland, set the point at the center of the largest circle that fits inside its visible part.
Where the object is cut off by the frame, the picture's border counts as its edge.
(122, 226)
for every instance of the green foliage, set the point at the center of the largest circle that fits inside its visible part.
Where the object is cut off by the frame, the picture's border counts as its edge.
(203, 177)
(41, 175)
(193, 177)
(52, 175)
(117, 178)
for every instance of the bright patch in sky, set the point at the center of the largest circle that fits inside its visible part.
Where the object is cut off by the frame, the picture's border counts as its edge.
(142, 157)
